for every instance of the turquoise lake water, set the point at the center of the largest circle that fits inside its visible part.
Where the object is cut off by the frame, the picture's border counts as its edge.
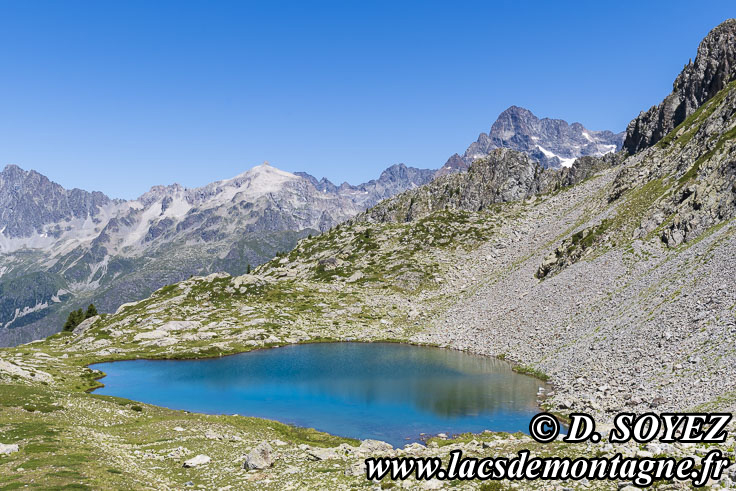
(386, 391)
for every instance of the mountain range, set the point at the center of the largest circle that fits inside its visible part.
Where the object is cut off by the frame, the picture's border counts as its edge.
(61, 249)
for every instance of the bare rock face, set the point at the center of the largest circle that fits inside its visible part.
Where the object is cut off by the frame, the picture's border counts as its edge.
(713, 69)
(84, 325)
(29, 200)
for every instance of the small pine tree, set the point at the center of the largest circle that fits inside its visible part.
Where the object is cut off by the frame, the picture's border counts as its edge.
(69, 324)
(73, 320)
(247, 269)
(91, 311)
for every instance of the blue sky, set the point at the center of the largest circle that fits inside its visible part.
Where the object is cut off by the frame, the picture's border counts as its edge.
(119, 96)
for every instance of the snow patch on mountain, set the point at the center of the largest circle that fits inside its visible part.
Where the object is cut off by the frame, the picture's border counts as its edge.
(19, 313)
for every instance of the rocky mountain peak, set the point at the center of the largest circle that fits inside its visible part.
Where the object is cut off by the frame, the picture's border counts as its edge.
(396, 172)
(551, 142)
(454, 164)
(11, 170)
(511, 118)
(14, 175)
(714, 67)
(29, 200)
(263, 171)
(264, 174)
(160, 191)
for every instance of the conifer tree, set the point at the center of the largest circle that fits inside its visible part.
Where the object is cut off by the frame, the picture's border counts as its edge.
(91, 311)
(73, 320)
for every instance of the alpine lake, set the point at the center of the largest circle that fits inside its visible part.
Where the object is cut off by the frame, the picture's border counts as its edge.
(393, 392)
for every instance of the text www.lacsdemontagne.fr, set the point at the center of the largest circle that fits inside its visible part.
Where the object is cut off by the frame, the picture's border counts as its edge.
(642, 471)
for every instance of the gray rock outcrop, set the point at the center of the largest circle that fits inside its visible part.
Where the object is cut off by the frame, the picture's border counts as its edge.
(504, 175)
(714, 67)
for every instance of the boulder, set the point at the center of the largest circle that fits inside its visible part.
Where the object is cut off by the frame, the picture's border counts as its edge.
(374, 446)
(84, 325)
(180, 325)
(155, 334)
(6, 449)
(356, 469)
(198, 460)
(211, 435)
(731, 471)
(358, 275)
(260, 457)
(318, 453)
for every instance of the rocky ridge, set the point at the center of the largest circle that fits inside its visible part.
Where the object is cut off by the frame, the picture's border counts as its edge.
(714, 67)
(29, 202)
(503, 175)
(672, 192)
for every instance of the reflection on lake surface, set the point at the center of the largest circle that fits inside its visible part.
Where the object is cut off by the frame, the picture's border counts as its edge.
(387, 391)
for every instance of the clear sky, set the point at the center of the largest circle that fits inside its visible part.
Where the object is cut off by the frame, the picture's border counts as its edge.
(119, 96)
